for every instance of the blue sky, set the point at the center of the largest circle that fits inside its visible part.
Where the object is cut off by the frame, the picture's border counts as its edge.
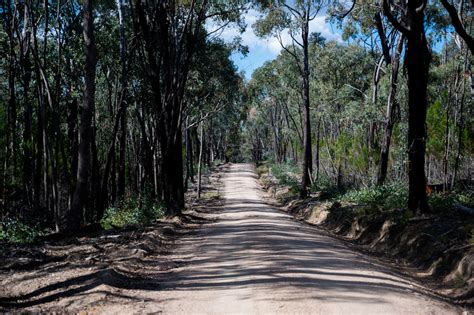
(261, 50)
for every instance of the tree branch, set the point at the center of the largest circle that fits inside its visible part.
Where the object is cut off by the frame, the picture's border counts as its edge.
(388, 13)
(349, 11)
(458, 25)
(383, 38)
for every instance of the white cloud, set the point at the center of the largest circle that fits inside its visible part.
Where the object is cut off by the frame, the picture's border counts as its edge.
(262, 49)
(251, 40)
(230, 32)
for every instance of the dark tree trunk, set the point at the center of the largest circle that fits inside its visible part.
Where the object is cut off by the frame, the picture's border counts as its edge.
(123, 106)
(189, 159)
(25, 61)
(173, 188)
(73, 145)
(122, 157)
(417, 63)
(74, 214)
(417, 60)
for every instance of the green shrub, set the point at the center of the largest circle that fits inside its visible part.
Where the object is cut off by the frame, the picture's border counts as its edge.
(440, 202)
(132, 211)
(15, 231)
(388, 197)
(327, 190)
(466, 198)
(288, 175)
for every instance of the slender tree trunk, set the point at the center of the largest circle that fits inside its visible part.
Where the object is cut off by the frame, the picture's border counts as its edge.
(73, 145)
(28, 169)
(307, 155)
(391, 112)
(446, 142)
(189, 157)
(74, 215)
(201, 145)
(460, 130)
(123, 105)
(318, 140)
(109, 165)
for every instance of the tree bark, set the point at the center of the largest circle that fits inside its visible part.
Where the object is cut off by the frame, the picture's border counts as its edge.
(74, 214)
(123, 105)
(28, 168)
(417, 60)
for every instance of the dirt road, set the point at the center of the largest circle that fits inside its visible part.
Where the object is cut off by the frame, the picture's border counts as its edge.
(254, 259)
(257, 260)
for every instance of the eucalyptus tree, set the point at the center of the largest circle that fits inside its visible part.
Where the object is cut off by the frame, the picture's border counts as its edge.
(73, 216)
(417, 62)
(170, 31)
(294, 17)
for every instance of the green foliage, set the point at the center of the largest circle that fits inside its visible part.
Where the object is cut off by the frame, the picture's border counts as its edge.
(436, 125)
(440, 202)
(327, 190)
(465, 198)
(132, 211)
(15, 231)
(287, 174)
(394, 196)
(445, 202)
(386, 197)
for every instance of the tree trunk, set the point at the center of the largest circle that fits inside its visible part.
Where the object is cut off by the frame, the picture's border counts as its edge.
(28, 168)
(189, 158)
(318, 140)
(460, 125)
(417, 60)
(201, 145)
(123, 106)
(307, 155)
(391, 112)
(74, 214)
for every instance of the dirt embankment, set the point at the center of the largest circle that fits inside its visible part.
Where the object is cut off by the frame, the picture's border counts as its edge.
(437, 250)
